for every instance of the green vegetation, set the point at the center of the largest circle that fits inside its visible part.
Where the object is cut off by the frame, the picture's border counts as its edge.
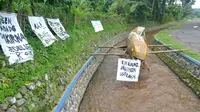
(165, 37)
(196, 13)
(65, 54)
(64, 58)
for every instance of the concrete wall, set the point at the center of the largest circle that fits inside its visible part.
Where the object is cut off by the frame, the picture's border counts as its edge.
(187, 68)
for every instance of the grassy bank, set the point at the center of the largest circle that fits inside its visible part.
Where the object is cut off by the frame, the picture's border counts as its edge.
(59, 58)
(165, 37)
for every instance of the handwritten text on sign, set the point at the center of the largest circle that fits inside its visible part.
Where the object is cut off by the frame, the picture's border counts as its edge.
(40, 28)
(58, 28)
(97, 26)
(128, 69)
(13, 41)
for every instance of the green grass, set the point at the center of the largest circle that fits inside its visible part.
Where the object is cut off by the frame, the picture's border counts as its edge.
(164, 37)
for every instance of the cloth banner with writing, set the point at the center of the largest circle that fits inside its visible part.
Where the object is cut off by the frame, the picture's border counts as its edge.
(40, 28)
(128, 69)
(97, 26)
(13, 41)
(58, 28)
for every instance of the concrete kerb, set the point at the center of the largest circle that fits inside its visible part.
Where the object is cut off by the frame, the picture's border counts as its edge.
(184, 55)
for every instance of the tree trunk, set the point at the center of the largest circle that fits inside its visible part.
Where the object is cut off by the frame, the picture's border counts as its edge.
(9, 6)
(162, 10)
(153, 4)
(32, 7)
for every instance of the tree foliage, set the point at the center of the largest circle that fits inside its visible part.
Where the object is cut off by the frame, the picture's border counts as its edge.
(133, 10)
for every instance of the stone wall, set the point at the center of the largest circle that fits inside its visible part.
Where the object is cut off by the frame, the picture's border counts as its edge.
(74, 93)
(186, 68)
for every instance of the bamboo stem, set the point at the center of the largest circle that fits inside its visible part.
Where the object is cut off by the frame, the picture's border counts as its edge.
(118, 54)
(123, 46)
(158, 45)
(155, 52)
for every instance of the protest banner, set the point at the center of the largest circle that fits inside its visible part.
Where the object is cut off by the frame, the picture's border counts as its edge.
(13, 41)
(40, 28)
(97, 26)
(128, 69)
(58, 28)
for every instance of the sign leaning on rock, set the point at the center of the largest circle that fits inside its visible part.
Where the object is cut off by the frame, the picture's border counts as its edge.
(97, 26)
(58, 28)
(13, 41)
(128, 69)
(40, 28)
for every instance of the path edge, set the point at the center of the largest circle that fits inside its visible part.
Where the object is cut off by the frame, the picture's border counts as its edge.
(184, 66)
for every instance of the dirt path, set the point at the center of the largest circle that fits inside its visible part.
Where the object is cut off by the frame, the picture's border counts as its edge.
(157, 91)
(188, 35)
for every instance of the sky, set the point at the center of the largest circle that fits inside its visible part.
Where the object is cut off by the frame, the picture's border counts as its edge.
(197, 4)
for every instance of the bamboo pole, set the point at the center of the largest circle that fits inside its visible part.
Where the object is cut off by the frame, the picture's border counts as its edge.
(167, 51)
(118, 54)
(158, 45)
(123, 46)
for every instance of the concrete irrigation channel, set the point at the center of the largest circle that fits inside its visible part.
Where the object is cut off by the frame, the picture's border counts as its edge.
(159, 90)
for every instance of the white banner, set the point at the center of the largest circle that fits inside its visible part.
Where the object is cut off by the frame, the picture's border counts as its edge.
(58, 28)
(97, 26)
(40, 28)
(13, 41)
(128, 69)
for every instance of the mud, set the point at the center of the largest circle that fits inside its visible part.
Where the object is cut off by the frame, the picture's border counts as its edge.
(157, 91)
(150, 35)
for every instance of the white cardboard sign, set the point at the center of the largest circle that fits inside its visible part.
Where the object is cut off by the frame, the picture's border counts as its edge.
(13, 41)
(128, 69)
(58, 28)
(40, 28)
(97, 26)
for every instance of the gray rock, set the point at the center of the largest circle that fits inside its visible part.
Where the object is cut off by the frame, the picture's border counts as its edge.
(20, 109)
(3, 106)
(47, 97)
(61, 88)
(24, 109)
(14, 107)
(31, 86)
(46, 77)
(38, 83)
(51, 86)
(26, 96)
(3, 63)
(20, 102)
(31, 106)
(35, 99)
(12, 100)
(23, 90)
(11, 110)
(62, 81)
(43, 102)
(18, 96)
(30, 93)
(52, 98)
